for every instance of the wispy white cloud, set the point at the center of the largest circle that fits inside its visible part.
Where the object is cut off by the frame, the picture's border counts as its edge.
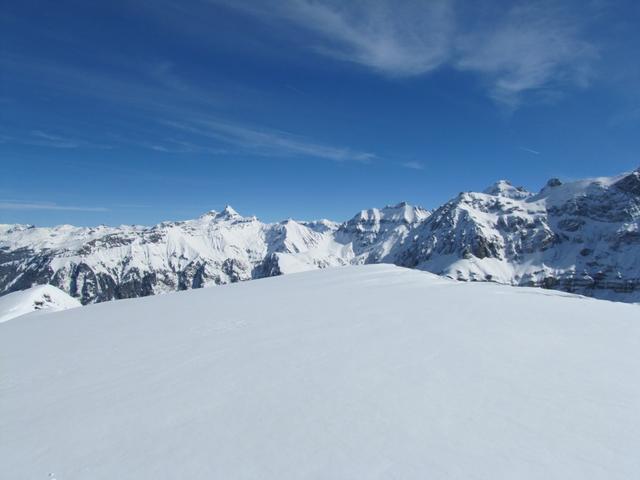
(172, 146)
(41, 138)
(270, 142)
(395, 38)
(145, 87)
(131, 205)
(528, 46)
(15, 205)
(535, 45)
(162, 93)
(413, 165)
(529, 150)
(381, 35)
(45, 139)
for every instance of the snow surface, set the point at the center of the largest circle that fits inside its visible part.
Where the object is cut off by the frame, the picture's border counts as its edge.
(38, 298)
(359, 372)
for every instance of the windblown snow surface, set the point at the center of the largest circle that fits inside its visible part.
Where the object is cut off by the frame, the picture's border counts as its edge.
(39, 298)
(369, 372)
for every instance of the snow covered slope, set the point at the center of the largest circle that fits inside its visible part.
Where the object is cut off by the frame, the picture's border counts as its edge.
(370, 372)
(40, 297)
(581, 237)
(104, 263)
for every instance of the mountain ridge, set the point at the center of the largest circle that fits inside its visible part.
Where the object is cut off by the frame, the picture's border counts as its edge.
(581, 237)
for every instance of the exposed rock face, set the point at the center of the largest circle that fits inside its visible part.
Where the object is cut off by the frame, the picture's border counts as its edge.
(104, 263)
(581, 237)
(376, 235)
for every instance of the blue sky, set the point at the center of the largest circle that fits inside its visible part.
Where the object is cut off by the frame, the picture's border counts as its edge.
(140, 111)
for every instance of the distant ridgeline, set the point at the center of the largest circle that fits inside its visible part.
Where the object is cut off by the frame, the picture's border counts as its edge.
(581, 237)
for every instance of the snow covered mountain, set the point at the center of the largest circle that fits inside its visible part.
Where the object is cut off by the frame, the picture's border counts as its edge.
(366, 372)
(103, 263)
(46, 298)
(579, 237)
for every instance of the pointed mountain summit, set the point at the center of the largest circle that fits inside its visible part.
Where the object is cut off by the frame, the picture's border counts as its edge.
(630, 183)
(228, 213)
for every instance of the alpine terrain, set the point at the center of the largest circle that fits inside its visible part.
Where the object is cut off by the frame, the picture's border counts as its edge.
(45, 298)
(370, 372)
(581, 237)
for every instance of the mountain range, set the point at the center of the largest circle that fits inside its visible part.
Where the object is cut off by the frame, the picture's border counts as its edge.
(581, 237)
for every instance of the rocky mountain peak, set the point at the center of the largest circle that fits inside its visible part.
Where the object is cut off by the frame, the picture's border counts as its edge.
(553, 182)
(504, 188)
(630, 183)
(402, 212)
(228, 213)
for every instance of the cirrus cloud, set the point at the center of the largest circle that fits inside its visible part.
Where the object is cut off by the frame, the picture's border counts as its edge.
(18, 205)
(268, 142)
(526, 47)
